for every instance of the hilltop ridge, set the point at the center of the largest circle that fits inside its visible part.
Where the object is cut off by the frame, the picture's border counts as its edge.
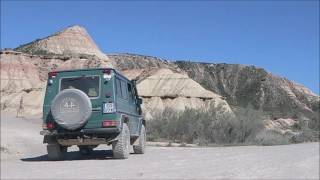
(70, 41)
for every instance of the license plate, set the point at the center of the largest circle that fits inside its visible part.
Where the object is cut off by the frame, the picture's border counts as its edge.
(108, 108)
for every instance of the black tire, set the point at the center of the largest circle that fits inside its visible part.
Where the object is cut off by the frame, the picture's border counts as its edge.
(64, 149)
(121, 146)
(55, 152)
(85, 150)
(141, 147)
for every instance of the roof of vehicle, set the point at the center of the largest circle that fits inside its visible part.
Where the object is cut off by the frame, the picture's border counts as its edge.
(93, 69)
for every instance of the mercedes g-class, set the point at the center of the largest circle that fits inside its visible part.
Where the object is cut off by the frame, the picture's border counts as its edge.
(88, 107)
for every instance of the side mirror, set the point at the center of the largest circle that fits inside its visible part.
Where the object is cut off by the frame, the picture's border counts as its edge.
(139, 101)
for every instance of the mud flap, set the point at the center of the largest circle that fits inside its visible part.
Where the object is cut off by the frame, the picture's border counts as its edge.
(49, 139)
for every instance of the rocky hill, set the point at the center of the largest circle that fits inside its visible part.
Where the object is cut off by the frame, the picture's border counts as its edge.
(255, 87)
(25, 71)
(161, 83)
(71, 41)
(240, 85)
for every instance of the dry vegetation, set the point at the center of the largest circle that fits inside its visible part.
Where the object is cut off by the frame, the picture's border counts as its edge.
(211, 128)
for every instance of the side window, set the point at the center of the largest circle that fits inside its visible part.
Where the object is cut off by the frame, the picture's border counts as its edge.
(118, 88)
(130, 92)
(124, 91)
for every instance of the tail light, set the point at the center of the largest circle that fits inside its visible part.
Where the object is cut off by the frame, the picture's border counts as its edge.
(106, 71)
(52, 74)
(49, 125)
(109, 123)
(107, 74)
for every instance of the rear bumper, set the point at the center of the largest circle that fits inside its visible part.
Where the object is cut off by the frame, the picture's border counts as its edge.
(96, 131)
(102, 131)
(84, 137)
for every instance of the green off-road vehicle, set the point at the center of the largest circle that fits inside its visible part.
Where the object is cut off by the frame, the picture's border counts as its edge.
(89, 107)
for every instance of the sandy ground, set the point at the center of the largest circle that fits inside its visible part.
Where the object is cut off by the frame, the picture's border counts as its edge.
(23, 156)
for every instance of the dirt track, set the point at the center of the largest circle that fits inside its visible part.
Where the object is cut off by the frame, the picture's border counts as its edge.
(23, 156)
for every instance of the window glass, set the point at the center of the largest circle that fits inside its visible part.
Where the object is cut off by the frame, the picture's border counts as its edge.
(124, 91)
(89, 85)
(129, 87)
(118, 87)
(130, 91)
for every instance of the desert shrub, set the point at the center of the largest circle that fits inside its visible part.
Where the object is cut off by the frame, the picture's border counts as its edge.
(205, 127)
(315, 122)
(270, 137)
(306, 135)
(297, 126)
(249, 124)
(159, 127)
(308, 130)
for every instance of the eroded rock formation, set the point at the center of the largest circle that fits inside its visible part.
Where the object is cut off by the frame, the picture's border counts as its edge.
(73, 40)
(161, 83)
(167, 89)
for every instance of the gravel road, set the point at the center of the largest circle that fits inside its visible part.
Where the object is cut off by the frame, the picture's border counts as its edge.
(23, 156)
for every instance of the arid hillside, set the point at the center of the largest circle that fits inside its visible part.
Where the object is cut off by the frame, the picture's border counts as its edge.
(24, 72)
(163, 84)
(240, 85)
(255, 87)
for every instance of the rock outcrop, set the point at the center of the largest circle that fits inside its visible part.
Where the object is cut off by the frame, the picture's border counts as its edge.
(165, 83)
(162, 84)
(23, 78)
(167, 89)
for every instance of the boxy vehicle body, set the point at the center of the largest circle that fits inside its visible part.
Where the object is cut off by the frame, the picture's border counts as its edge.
(88, 107)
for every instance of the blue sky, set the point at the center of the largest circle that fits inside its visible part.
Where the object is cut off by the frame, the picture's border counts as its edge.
(282, 37)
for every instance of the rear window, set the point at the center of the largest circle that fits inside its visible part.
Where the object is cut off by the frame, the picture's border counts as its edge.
(89, 85)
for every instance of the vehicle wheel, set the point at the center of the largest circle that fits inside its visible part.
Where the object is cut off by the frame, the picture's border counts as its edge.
(55, 152)
(85, 150)
(141, 147)
(121, 147)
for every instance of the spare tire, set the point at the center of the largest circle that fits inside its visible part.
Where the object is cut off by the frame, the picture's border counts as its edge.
(71, 109)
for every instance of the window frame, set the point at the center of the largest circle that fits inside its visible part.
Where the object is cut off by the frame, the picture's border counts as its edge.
(69, 77)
